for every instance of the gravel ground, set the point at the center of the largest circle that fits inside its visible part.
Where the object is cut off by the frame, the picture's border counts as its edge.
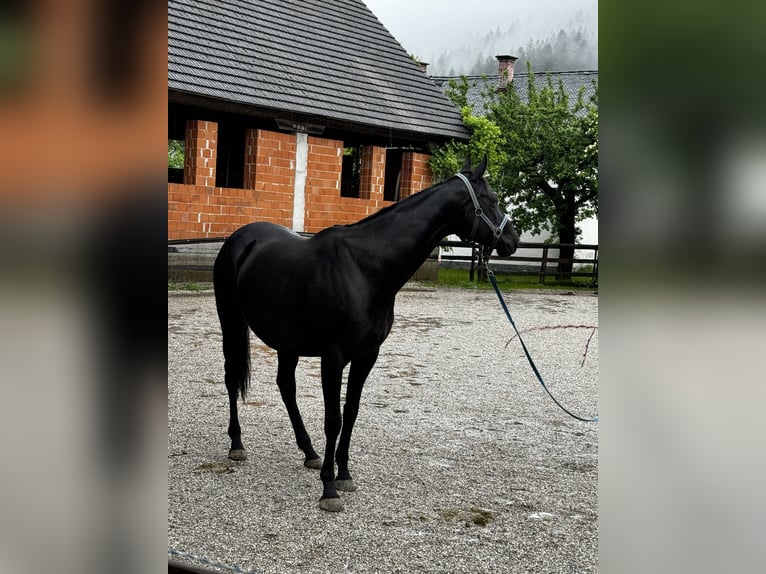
(462, 462)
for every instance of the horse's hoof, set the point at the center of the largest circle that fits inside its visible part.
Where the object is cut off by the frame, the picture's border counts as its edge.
(313, 463)
(331, 504)
(238, 454)
(345, 485)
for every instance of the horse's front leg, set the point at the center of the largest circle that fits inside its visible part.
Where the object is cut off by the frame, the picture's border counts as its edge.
(360, 368)
(332, 373)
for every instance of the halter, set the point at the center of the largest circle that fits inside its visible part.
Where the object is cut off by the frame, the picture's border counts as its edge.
(497, 230)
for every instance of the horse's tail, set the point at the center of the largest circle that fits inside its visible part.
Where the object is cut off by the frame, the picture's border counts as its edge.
(234, 327)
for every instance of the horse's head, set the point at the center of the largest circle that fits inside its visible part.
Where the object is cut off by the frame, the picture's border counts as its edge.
(485, 223)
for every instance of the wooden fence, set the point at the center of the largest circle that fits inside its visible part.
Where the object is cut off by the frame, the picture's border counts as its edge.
(543, 265)
(199, 266)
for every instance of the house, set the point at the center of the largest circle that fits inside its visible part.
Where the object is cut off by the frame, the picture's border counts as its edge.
(302, 113)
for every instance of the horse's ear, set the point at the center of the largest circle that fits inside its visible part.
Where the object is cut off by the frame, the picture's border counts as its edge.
(481, 168)
(467, 164)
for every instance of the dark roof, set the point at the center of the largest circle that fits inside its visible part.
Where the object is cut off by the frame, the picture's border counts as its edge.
(572, 82)
(309, 58)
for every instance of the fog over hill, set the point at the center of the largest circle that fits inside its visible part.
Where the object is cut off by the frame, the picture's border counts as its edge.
(459, 38)
(574, 49)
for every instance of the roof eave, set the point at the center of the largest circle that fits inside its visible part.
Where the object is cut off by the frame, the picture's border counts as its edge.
(459, 132)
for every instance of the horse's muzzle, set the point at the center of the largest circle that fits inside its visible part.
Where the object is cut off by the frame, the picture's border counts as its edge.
(507, 244)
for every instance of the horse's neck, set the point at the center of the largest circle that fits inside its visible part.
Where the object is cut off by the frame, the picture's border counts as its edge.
(400, 240)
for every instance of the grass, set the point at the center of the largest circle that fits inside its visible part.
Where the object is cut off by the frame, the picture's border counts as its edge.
(189, 286)
(455, 278)
(459, 278)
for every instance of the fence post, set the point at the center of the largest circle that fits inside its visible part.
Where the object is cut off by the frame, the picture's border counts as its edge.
(543, 265)
(481, 267)
(595, 264)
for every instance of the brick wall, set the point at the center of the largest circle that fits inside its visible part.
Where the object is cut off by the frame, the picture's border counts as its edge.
(275, 177)
(200, 152)
(416, 174)
(323, 170)
(198, 209)
(373, 173)
(324, 205)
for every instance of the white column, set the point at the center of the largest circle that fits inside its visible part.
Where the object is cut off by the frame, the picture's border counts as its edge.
(301, 169)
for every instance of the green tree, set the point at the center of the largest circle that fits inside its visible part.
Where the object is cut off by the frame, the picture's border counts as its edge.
(550, 171)
(486, 139)
(175, 153)
(543, 156)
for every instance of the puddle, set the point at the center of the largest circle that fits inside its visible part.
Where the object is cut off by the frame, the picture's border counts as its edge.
(261, 348)
(421, 324)
(377, 404)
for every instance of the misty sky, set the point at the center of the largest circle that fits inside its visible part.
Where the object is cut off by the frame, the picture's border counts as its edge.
(430, 27)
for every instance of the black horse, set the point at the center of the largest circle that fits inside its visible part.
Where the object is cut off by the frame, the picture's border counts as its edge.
(332, 296)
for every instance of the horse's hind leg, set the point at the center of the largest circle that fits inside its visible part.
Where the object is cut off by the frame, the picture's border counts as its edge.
(286, 384)
(237, 450)
(237, 372)
(360, 368)
(332, 372)
(236, 348)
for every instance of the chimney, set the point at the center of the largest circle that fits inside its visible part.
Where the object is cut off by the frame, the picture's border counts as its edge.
(505, 67)
(423, 67)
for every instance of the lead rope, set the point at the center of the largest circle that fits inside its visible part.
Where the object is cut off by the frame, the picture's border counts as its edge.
(492, 279)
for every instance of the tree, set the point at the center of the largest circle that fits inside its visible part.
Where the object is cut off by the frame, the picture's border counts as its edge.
(568, 49)
(550, 168)
(175, 153)
(486, 139)
(543, 156)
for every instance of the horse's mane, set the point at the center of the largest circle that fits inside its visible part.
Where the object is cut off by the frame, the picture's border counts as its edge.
(405, 203)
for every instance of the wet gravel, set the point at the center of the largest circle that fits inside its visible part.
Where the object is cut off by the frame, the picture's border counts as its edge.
(462, 462)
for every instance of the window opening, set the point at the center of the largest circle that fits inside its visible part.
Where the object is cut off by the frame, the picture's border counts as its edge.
(230, 156)
(393, 174)
(351, 171)
(175, 161)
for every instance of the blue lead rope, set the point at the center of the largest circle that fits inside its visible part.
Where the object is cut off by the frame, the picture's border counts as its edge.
(492, 279)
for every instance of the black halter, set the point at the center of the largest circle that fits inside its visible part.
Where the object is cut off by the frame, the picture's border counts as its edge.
(497, 230)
